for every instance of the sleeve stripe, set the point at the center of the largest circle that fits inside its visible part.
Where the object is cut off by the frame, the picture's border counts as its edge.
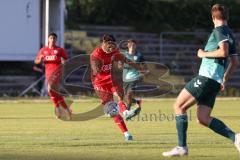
(233, 54)
(223, 41)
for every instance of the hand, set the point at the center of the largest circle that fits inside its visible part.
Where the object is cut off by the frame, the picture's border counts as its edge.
(201, 53)
(223, 85)
(38, 59)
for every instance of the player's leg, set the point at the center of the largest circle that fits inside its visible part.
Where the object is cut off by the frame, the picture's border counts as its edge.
(215, 124)
(187, 98)
(66, 108)
(54, 98)
(184, 101)
(128, 114)
(118, 92)
(58, 100)
(205, 105)
(122, 106)
(119, 120)
(132, 91)
(129, 94)
(130, 99)
(105, 94)
(204, 118)
(121, 124)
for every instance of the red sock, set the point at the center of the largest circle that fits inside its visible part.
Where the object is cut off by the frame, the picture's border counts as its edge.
(54, 97)
(122, 106)
(62, 102)
(120, 122)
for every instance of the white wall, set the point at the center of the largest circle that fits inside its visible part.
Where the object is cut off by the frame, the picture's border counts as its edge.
(19, 29)
(56, 19)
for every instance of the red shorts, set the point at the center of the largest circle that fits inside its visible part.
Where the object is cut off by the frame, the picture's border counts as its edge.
(54, 78)
(105, 92)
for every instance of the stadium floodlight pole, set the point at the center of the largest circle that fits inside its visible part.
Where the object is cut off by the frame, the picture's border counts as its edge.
(62, 7)
(46, 21)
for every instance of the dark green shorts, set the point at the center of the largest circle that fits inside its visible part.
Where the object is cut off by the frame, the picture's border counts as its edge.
(204, 90)
(130, 86)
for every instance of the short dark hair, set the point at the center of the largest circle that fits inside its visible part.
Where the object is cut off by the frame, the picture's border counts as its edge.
(132, 41)
(108, 38)
(219, 11)
(53, 34)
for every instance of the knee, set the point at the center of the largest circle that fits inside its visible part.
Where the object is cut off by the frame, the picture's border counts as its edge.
(178, 108)
(203, 120)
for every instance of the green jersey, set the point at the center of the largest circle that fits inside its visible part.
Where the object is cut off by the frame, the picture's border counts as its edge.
(214, 68)
(129, 73)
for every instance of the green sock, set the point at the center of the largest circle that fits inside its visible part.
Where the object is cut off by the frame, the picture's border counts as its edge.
(220, 128)
(182, 125)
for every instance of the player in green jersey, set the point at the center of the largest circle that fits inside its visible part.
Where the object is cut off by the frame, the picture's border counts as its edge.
(203, 89)
(131, 76)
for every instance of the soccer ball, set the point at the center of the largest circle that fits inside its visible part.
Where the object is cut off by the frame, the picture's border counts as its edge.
(111, 109)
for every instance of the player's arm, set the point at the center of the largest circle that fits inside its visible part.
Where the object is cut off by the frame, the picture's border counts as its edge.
(95, 65)
(37, 68)
(122, 58)
(231, 67)
(221, 52)
(39, 57)
(64, 56)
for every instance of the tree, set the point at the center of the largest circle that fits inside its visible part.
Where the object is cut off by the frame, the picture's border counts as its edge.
(148, 15)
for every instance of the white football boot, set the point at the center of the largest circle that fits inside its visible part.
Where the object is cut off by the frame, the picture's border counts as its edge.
(128, 114)
(128, 136)
(177, 151)
(237, 141)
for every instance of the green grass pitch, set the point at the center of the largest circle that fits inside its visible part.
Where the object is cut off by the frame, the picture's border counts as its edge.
(29, 131)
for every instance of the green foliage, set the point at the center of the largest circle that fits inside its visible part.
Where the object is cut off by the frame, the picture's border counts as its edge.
(148, 15)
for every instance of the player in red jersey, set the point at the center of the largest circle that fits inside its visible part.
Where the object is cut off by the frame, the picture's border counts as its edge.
(101, 61)
(53, 56)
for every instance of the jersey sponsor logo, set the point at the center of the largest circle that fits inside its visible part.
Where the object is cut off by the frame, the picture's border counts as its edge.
(50, 58)
(45, 52)
(107, 67)
(55, 51)
(197, 83)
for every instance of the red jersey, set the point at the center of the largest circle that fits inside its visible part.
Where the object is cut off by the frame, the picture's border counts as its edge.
(101, 65)
(52, 59)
